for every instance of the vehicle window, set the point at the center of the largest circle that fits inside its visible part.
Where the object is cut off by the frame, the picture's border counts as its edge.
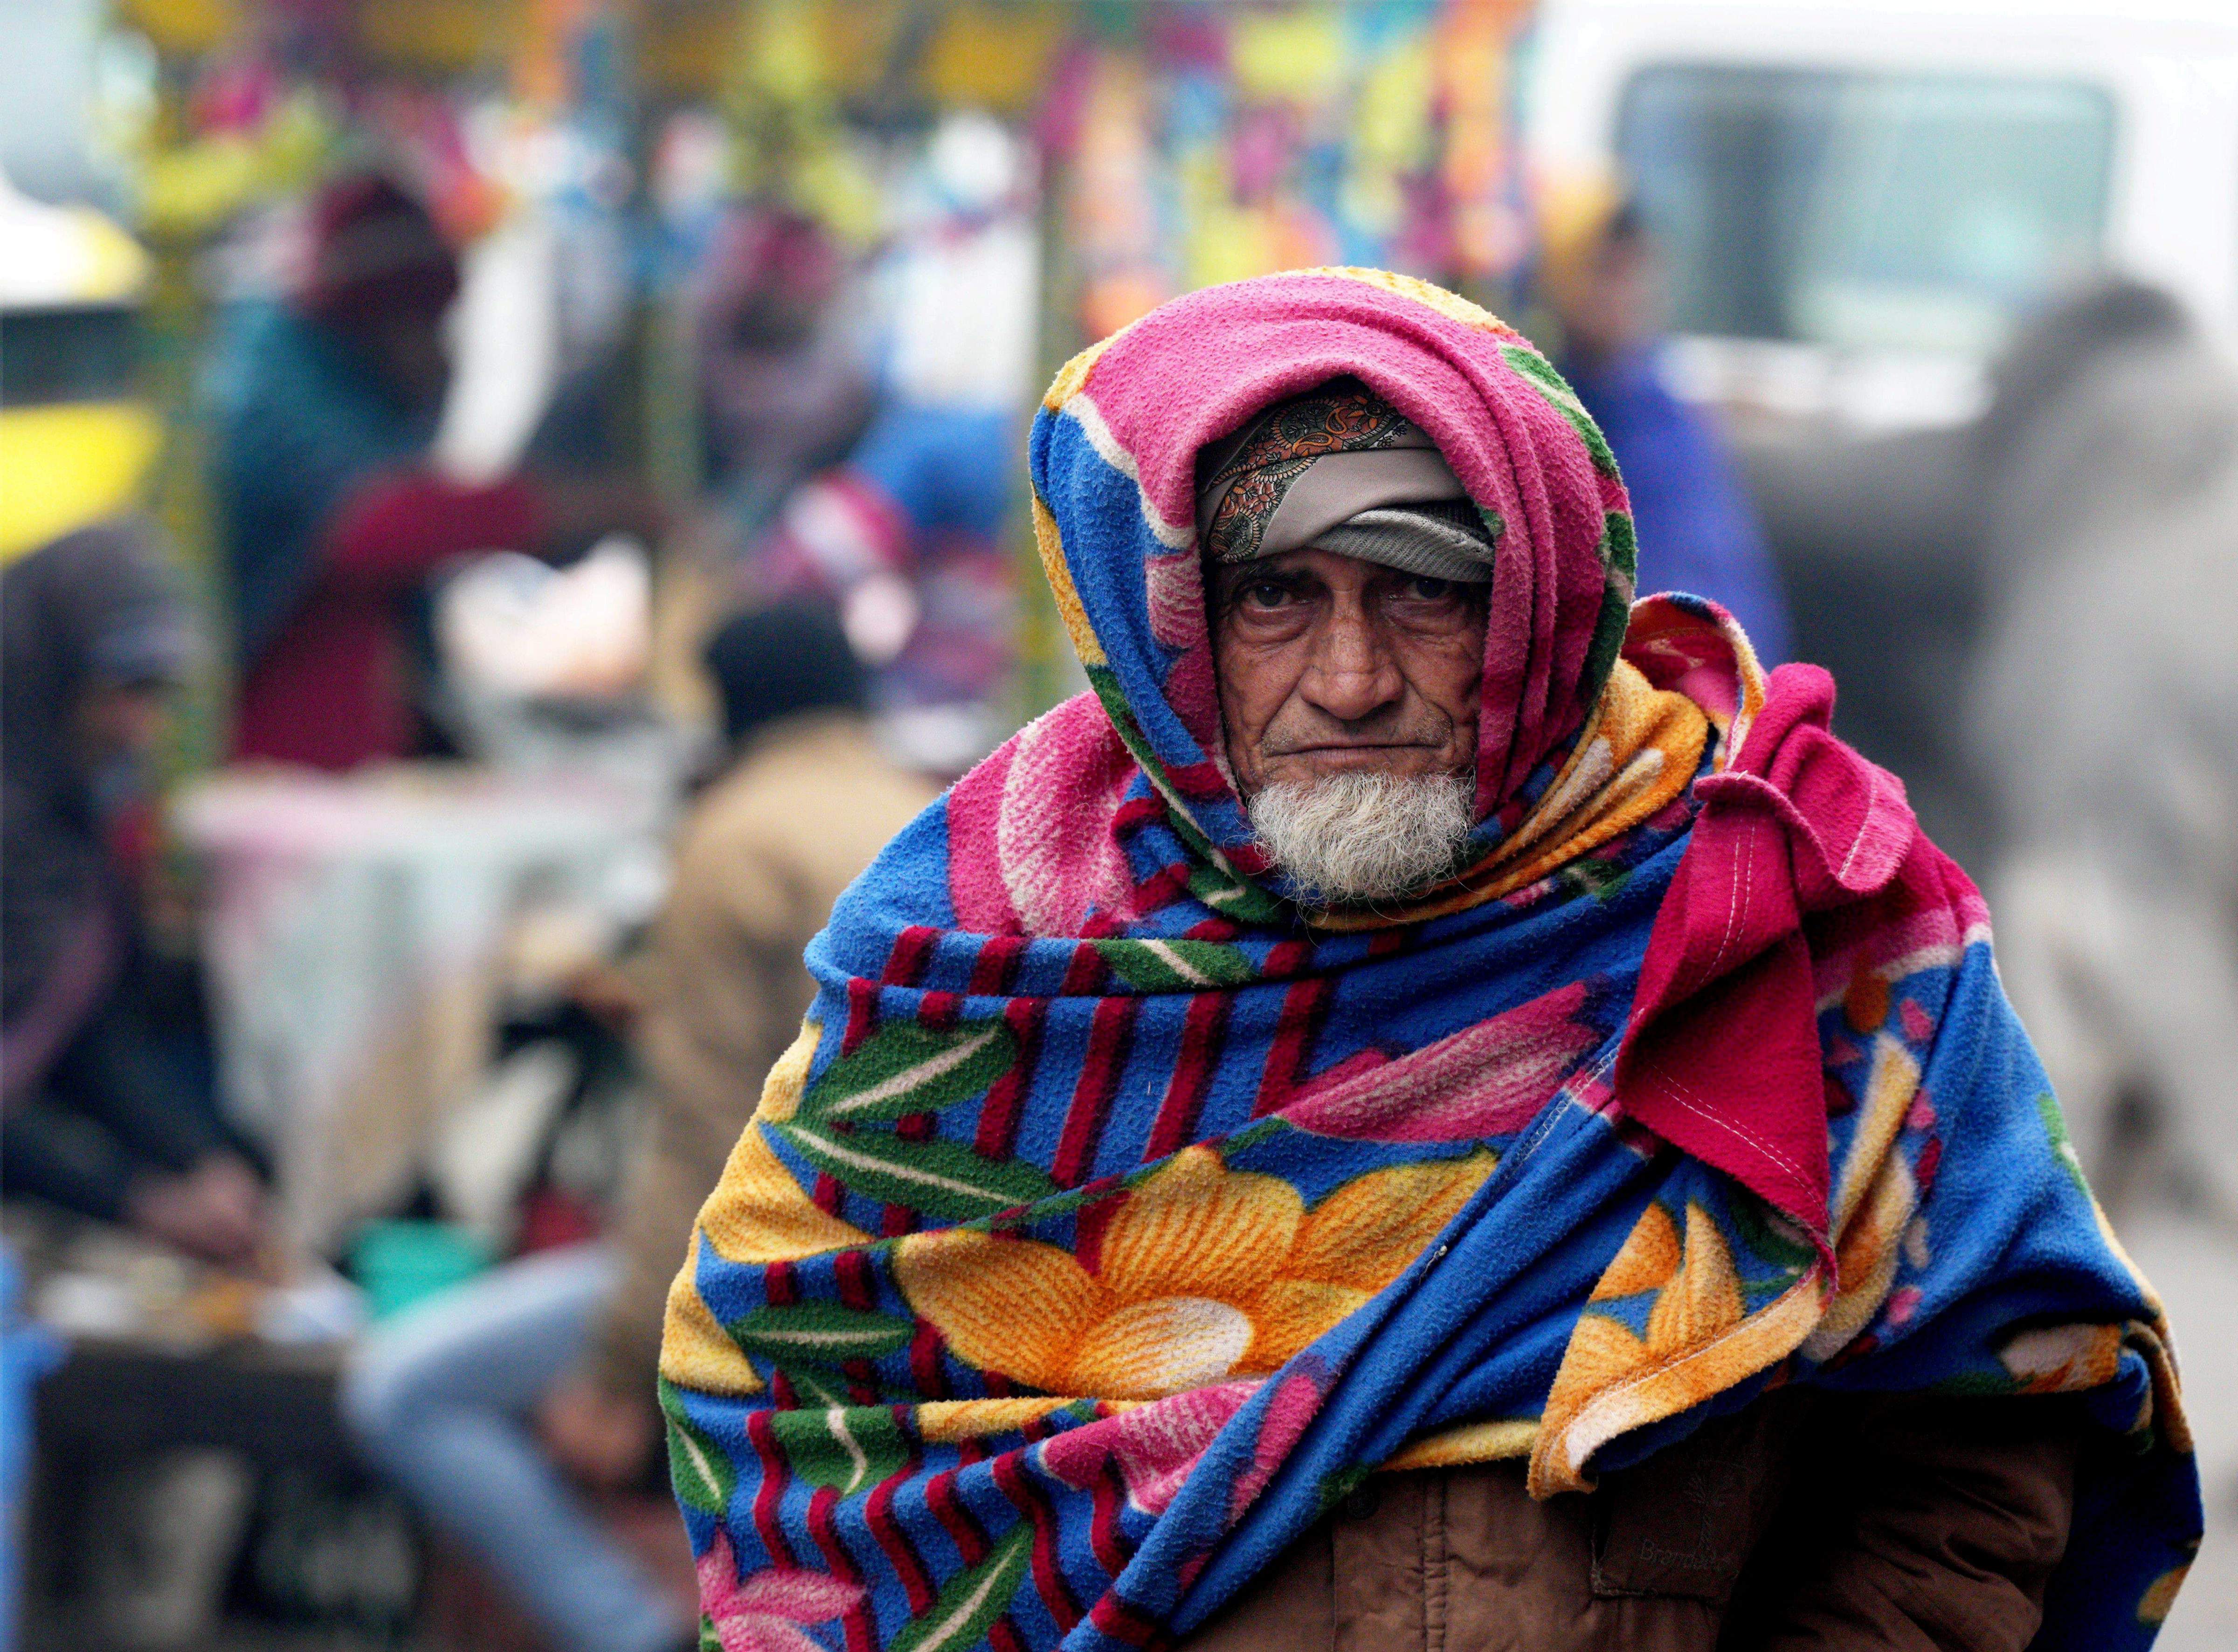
(1865, 210)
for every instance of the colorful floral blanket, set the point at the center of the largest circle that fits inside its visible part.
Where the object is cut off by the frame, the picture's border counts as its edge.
(1112, 1218)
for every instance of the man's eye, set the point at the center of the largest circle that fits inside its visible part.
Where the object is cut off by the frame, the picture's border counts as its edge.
(1266, 593)
(1422, 588)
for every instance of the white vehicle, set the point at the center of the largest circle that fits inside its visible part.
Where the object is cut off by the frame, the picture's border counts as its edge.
(1857, 199)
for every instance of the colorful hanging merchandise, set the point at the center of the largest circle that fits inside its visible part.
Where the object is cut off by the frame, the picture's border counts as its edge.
(1111, 1218)
(1207, 144)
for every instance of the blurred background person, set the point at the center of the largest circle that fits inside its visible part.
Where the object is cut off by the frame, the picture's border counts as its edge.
(324, 406)
(109, 1104)
(1600, 278)
(783, 384)
(784, 375)
(2104, 726)
(906, 534)
(483, 1402)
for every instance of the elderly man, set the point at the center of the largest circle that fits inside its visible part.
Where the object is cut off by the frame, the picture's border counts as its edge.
(1434, 1108)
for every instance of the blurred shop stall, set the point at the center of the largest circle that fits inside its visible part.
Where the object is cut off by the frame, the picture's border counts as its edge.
(1189, 144)
(79, 436)
(798, 267)
(471, 368)
(367, 938)
(481, 361)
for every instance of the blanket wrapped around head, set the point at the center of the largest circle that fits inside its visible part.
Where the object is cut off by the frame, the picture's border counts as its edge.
(1112, 1216)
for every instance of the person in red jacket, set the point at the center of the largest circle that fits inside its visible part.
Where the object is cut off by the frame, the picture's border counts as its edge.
(324, 407)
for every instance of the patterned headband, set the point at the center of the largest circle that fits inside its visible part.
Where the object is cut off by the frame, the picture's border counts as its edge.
(1342, 468)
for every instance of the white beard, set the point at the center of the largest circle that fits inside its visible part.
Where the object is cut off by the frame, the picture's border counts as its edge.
(1363, 837)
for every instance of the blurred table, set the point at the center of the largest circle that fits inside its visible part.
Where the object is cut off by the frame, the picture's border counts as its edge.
(356, 932)
(114, 1400)
(210, 1498)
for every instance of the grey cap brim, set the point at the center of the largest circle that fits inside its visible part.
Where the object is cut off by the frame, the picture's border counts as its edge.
(1414, 541)
(1336, 487)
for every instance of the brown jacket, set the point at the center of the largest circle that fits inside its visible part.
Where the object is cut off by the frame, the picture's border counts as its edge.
(1803, 1524)
(764, 854)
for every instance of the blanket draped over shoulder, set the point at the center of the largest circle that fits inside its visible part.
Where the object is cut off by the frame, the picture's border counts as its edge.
(1112, 1216)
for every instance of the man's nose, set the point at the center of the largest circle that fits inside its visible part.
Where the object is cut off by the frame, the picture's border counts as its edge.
(1352, 674)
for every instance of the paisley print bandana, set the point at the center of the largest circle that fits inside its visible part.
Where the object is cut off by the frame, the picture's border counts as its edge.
(1244, 490)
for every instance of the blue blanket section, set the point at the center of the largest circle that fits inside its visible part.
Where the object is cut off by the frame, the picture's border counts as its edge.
(2005, 1238)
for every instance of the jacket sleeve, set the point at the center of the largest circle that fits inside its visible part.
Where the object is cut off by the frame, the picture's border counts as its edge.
(1914, 1525)
(395, 527)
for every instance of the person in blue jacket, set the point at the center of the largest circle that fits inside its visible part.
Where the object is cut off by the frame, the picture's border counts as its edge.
(1599, 277)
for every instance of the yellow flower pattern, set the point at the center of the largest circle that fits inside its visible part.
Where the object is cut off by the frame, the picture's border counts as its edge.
(1699, 1340)
(695, 1350)
(1203, 1273)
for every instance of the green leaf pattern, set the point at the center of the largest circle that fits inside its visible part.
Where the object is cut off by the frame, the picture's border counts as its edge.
(942, 1179)
(815, 1388)
(820, 1333)
(700, 1470)
(1177, 966)
(907, 1068)
(848, 1448)
(967, 1609)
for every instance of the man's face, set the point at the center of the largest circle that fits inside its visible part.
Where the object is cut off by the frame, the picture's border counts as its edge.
(1328, 665)
(1618, 303)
